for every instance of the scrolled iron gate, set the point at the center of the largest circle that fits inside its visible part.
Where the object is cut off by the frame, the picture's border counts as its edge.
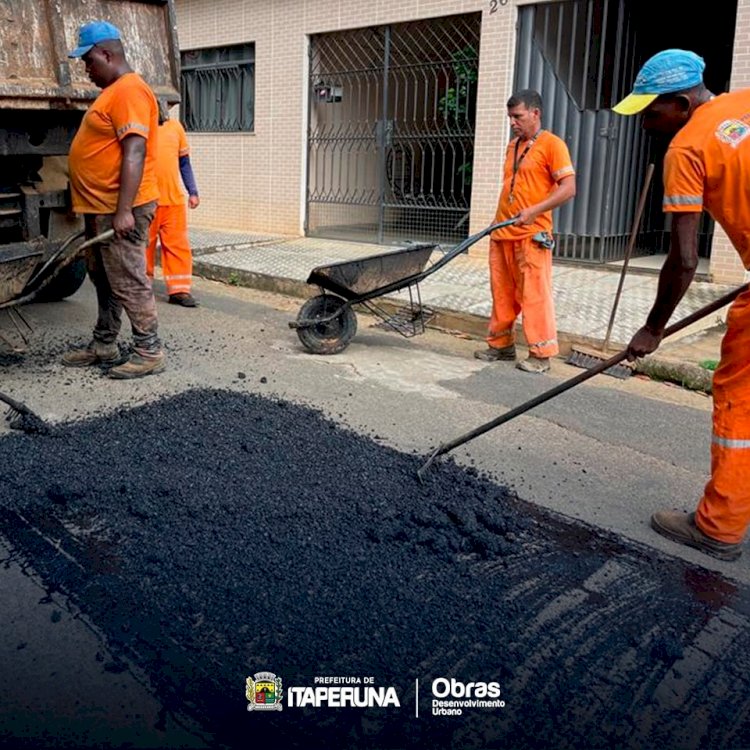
(391, 131)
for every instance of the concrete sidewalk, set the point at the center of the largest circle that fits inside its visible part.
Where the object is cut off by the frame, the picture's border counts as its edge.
(460, 295)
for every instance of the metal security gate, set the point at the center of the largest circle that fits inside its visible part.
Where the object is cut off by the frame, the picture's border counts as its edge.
(391, 131)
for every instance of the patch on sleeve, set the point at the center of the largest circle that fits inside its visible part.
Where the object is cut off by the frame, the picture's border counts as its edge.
(733, 132)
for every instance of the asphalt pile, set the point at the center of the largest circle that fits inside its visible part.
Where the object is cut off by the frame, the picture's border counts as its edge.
(213, 535)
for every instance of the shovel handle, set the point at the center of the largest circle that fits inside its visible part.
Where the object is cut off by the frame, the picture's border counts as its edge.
(30, 296)
(469, 241)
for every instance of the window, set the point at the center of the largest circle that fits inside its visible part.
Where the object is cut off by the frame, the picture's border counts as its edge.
(218, 89)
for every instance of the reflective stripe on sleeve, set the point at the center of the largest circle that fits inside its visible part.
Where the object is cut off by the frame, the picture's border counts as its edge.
(683, 200)
(564, 172)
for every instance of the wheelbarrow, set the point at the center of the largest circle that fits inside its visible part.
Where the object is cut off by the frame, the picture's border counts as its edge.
(327, 322)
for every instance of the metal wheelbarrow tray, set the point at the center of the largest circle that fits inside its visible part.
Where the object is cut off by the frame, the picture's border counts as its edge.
(17, 264)
(327, 323)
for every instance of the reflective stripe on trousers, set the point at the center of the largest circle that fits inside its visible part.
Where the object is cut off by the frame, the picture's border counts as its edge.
(170, 227)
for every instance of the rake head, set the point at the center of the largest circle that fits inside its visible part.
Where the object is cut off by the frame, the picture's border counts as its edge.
(20, 417)
(426, 465)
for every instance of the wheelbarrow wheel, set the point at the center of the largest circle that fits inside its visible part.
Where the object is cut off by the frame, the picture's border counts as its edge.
(333, 336)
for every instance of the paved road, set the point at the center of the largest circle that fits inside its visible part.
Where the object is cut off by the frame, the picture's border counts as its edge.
(607, 594)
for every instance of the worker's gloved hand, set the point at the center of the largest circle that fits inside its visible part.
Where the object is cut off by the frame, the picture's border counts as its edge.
(645, 341)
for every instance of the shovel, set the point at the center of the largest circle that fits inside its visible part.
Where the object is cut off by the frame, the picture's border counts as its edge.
(568, 384)
(19, 415)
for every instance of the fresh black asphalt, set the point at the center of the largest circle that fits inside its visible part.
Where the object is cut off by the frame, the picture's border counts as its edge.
(212, 535)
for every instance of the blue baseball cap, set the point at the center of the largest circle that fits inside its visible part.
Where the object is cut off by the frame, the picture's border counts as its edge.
(666, 72)
(92, 33)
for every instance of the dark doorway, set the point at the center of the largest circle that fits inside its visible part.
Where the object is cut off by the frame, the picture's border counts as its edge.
(583, 56)
(664, 25)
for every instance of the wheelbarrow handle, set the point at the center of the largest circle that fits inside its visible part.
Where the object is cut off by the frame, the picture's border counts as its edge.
(462, 247)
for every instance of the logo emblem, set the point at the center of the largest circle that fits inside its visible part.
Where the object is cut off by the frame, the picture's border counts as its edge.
(733, 132)
(264, 692)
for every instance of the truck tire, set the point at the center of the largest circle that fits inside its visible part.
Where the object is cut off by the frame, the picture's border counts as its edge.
(66, 284)
(331, 337)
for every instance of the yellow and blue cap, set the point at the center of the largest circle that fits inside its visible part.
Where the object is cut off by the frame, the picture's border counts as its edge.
(664, 73)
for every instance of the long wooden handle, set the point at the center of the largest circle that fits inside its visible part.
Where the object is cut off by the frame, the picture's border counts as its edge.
(629, 250)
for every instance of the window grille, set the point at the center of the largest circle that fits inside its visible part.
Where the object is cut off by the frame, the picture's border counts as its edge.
(218, 89)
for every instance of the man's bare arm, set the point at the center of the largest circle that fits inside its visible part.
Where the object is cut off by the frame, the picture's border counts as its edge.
(561, 193)
(131, 174)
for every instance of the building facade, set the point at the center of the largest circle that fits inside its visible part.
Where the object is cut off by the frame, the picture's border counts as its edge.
(384, 120)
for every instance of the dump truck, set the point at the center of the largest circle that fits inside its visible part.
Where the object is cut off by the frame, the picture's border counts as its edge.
(43, 96)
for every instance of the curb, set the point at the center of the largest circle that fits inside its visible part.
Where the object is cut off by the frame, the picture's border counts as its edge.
(686, 375)
(692, 377)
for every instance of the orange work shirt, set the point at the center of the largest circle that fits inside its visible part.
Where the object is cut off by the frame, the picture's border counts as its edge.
(707, 166)
(544, 164)
(125, 107)
(172, 145)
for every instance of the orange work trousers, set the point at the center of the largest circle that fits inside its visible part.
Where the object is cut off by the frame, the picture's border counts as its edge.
(170, 228)
(724, 510)
(521, 282)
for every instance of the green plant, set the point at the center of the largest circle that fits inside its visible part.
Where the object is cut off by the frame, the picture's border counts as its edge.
(233, 278)
(455, 102)
(709, 364)
(458, 98)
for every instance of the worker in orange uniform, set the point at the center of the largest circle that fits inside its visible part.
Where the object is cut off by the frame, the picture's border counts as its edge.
(705, 167)
(538, 176)
(113, 184)
(170, 223)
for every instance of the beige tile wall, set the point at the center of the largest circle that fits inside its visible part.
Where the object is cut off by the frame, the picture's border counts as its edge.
(257, 181)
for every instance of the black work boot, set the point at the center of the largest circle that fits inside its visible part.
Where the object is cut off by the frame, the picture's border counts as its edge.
(492, 354)
(185, 299)
(681, 528)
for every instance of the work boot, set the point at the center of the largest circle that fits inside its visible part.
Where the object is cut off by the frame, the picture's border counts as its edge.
(539, 365)
(183, 298)
(94, 353)
(493, 354)
(681, 528)
(138, 367)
